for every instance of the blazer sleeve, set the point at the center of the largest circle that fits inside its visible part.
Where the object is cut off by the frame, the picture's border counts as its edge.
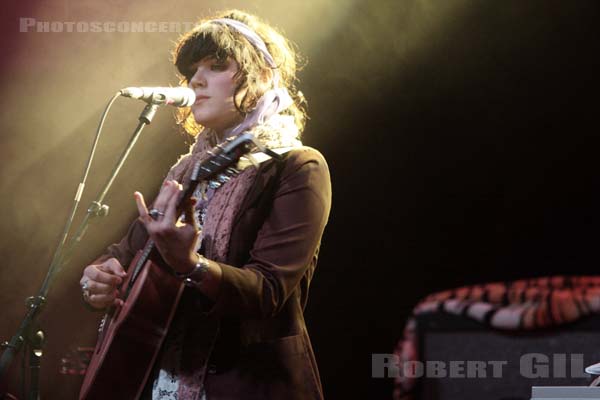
(125, 249)
(286, 245)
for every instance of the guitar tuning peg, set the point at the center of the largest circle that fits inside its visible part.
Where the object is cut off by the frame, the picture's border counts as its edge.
(223, 178)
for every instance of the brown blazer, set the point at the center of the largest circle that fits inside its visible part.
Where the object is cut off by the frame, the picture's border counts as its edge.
(263, 350)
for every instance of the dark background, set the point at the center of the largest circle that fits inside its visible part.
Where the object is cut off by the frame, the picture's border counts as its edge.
(461, 138)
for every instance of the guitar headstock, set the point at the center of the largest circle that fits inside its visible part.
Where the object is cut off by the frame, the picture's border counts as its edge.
(223, 156)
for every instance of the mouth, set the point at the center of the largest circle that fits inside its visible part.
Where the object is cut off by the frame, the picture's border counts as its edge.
(200, 98)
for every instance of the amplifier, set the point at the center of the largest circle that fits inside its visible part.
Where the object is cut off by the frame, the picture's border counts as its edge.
(462, 359)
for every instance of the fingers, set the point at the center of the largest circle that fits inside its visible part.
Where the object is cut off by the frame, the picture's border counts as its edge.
(94, 287)
(170, 208)
(112, 265)
(141, 206)
(104, 300)
(165, 202)
(189, 212)
(103, 273)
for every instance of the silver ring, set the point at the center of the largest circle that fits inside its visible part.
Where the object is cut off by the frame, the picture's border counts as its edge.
(154, 214)
(85, 289)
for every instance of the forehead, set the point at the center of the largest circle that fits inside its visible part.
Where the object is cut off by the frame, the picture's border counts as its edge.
(196, 47)
(227, 62)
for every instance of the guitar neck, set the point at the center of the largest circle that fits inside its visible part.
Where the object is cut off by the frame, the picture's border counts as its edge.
(137, 268)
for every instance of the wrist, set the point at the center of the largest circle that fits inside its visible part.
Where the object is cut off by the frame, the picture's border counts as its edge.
(195, 275)
(185, 266)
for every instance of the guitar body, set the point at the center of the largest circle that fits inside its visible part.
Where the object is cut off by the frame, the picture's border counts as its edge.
(131, 336)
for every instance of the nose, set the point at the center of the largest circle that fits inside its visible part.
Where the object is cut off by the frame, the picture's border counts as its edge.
(197, 80)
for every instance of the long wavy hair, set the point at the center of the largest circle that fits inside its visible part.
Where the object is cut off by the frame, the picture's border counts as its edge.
(209, 39)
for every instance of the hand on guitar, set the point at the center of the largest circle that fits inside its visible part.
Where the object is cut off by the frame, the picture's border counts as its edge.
(175, 241)
(100, 283)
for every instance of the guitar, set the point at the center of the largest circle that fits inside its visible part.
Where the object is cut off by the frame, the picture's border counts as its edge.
(130, 336)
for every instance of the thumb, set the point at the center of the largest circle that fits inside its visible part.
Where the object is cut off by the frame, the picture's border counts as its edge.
(113, 266)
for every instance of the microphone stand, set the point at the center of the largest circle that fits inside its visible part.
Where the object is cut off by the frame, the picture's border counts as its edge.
(28, 332)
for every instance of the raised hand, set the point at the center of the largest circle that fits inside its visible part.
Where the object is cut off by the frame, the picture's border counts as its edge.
(176, 241)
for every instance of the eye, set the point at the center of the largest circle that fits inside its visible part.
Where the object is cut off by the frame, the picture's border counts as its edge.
(219, 66)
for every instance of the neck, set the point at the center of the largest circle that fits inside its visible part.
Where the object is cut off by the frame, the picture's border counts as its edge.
(224, 132)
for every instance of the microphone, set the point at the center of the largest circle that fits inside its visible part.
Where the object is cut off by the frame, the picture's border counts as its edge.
(174, 96)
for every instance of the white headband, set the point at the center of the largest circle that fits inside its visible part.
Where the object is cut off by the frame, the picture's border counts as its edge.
(274, 100)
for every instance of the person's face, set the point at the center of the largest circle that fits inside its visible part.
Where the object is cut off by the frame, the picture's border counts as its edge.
(214, 84)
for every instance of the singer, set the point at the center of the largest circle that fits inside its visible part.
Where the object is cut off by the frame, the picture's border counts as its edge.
(247, 246)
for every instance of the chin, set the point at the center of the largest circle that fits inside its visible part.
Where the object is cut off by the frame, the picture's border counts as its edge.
(200, 118)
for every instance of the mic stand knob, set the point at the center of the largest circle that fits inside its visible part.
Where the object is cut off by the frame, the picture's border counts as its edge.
(98, 210)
